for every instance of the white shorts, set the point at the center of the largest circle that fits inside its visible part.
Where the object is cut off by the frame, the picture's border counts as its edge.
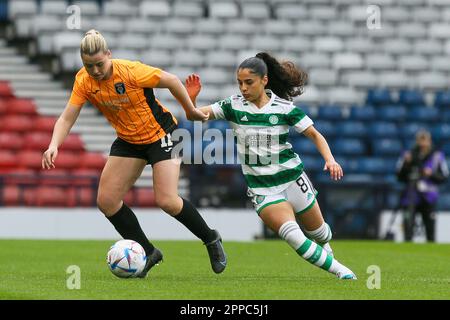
(301, 194)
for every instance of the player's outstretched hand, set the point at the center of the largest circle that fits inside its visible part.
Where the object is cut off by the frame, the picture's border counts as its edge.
(335, 169)
(193, 86)
(48, 158)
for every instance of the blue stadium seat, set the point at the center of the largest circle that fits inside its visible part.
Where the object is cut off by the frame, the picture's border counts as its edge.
(348, 146)
(444, 202)
(423, 114)
(311, 163)
(446, 148)
(383, 147)
(409, 130)
(440, 132)
(303, 145)
(395, 113)
(326, 128)
(330, 112)
(411, 97)
(383, 129)
(379, 97)
(352, 129)
(375, 166)
(362, 113)
(442, 99)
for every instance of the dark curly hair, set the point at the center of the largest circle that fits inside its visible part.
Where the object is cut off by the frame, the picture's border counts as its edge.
(285, 79)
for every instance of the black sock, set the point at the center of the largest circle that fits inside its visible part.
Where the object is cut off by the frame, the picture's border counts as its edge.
(191, 218)
(128, 226)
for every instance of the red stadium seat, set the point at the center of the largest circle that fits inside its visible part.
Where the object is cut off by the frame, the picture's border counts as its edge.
(85, 177)
(10, 195)
(5, 90)
(21, 107)
(16, 123)
(11, 141)
(145, 197)
(44, 124)
(3, 107)
(73, 143)
(55, 177)
(92, 160)
(47, 196)
(8, 159)
(19, 176)
(29, 159)
(67, 160)
(140, 197)
(37, 141)
(82, 197)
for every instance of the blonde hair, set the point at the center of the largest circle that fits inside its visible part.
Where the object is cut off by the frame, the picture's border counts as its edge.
(92, 43)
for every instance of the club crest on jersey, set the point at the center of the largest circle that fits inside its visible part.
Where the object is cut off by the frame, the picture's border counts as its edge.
(273, 119)
(120, 87)
(260, 199)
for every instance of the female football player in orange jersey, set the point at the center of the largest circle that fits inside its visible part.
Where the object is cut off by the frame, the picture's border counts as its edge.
(122, 90)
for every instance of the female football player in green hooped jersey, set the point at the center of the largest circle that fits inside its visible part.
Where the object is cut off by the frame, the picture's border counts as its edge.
(281, 192)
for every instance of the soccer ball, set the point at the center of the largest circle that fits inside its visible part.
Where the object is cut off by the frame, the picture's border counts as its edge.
(126, 259)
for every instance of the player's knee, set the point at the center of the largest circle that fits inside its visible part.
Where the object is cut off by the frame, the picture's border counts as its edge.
(107, 205)
(168, 204)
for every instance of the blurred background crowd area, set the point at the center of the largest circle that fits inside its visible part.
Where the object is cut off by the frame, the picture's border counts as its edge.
(372, 85)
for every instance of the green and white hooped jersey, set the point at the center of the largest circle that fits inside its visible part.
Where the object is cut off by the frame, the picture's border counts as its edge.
(268, 162)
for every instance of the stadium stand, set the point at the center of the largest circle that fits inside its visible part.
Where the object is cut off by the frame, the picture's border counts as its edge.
(369, 91)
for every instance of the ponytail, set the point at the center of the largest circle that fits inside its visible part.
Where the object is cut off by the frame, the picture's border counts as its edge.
(285, 79)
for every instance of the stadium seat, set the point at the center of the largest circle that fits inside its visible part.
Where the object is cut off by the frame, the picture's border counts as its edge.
(256, 11)
(81, 197)
(440, 132)
(362, 113)
(29, 159)
(55, 177)
(375, 166)
(19, 176)
(330, 112)
(187, 9)
(326, 128)
(304, 146)
(394, 113)
(351, 129)
(10, 141)
(69, 160)
(386, 147)
(380, 61)
(210, 26)
(16, 123)
(22, 107)
(44, 124)
(379, 97)
(38, 141)
(5, 90)
(50, 196)
(91, 160)
(349, 147)
(8, 159)
(409, 130)
(155, 9)
(432, 81)
(119, 9)
(382, 129)
(312, 164)
(442, 99)
(155, 57)
(3, 106)
(423, 114)
(411, 97)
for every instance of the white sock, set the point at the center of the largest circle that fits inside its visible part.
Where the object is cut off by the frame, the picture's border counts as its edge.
(321, 235)
(310, 251)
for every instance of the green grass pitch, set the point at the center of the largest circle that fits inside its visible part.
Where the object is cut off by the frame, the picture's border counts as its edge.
(268, 270)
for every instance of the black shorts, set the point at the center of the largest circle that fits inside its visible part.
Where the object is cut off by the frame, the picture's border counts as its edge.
(154, 152)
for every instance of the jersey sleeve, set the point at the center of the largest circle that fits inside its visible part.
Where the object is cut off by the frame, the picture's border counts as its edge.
(299, 120)
(222, 109)
(146, 76)
(79, 94)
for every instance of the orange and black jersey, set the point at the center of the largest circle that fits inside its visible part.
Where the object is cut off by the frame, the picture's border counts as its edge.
(127, 100)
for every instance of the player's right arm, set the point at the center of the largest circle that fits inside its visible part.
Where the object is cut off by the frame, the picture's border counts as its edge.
(61, 130)
(193, 86)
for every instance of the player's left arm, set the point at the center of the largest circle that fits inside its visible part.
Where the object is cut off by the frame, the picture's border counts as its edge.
(331, 165)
